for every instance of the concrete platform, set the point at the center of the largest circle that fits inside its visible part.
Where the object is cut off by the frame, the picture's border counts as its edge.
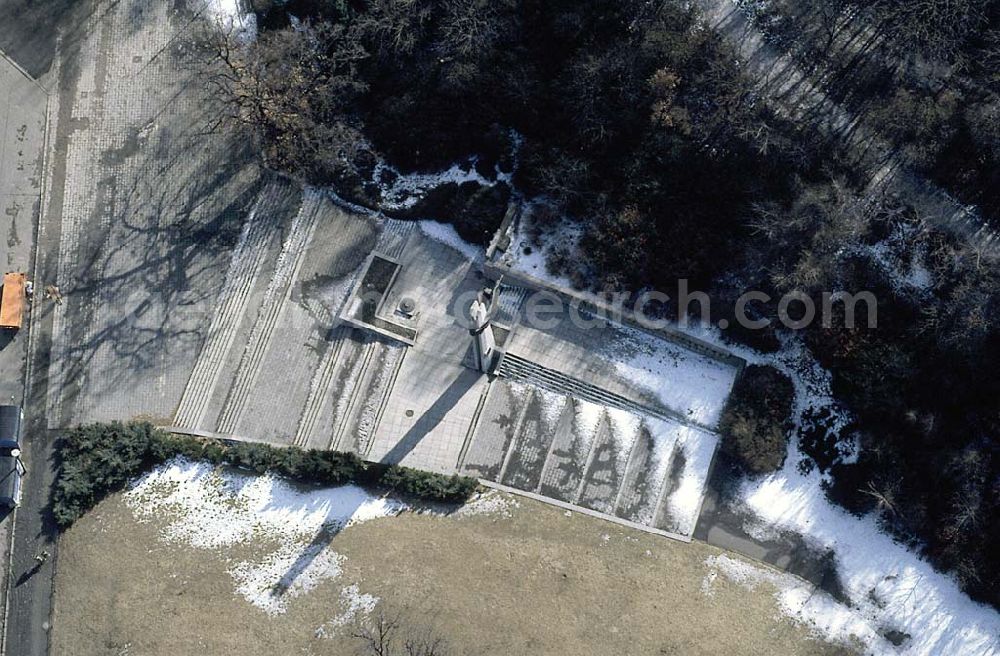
(638, 468)
(653, 373)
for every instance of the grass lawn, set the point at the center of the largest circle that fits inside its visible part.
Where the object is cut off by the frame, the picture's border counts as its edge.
(530, 580)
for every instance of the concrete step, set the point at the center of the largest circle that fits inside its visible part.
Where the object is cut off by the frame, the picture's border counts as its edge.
(373, 378)
(519, 369)
(507, 312)
(319, 389)
(290, 259)
(393, 238)
(261, 226)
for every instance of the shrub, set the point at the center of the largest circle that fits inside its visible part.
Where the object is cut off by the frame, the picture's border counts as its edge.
(428, 486)
(756, 421)
(98, 459)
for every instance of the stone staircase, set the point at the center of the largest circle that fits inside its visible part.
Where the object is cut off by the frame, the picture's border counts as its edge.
(293, 252)
(261, 226)
(522, 370)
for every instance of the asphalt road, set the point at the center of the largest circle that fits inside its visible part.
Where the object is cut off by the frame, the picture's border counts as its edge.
(29, 30)
(28, 35)
(29, 599)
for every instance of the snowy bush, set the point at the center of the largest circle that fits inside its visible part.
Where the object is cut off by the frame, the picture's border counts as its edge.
(756, 420)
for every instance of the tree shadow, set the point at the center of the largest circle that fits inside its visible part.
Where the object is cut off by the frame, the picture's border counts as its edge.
(151, 258)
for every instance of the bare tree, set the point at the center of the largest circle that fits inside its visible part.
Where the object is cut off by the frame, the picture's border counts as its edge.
(294, 88)
(396, 27)
(385, 635)
(936, 29)
(470, 27)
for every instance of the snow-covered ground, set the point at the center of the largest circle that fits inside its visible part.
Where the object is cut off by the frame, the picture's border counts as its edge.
(215, 509)
(797, 600)
(690, 384)
(230, 16)
(446, 234)
(684, 503)
(902, 257)
(890, 587)
(274, 526)
(354, 604)
(491, 502)
(530, 247)
(404, 189)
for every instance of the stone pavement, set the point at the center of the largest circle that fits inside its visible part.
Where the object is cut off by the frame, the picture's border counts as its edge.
(147, 208)
(290, 349)
(643, 469)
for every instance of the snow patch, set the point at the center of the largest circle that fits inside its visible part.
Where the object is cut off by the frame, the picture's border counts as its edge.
(901, 256)
(693, 385)
(552, 406)
(810, 380)
(492, 502)
(354, 604)
(446, 234)
(684, 504)
(625, 429)
(890, 587)
(215, 509)
(588, 416)
(531, 246)
(801, 602)
(665, 436)
(405, 190)
(229, 16)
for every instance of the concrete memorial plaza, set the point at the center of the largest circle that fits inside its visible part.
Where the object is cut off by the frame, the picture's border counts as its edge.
(204, 293)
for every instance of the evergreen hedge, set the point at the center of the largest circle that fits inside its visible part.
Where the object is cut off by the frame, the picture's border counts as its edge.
(100, 458)
(757, 418)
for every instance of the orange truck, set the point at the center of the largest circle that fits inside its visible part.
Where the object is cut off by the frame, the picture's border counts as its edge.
(13, 300)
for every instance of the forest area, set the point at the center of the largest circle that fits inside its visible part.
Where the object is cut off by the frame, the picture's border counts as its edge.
(637, 121)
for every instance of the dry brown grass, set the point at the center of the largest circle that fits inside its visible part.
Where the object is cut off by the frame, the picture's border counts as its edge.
(537, 582)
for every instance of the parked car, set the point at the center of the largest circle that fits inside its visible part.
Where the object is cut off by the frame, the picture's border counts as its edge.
(11, 468)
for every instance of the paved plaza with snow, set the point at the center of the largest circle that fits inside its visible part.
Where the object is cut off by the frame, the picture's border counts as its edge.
(207, 294)
(609, 419)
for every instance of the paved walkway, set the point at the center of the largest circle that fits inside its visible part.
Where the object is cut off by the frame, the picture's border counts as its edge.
(149, 206)
(116, 238)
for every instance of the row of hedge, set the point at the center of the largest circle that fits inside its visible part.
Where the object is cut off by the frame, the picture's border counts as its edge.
(99, 459)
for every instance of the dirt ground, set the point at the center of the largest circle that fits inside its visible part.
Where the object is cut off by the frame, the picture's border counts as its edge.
(528, 581)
